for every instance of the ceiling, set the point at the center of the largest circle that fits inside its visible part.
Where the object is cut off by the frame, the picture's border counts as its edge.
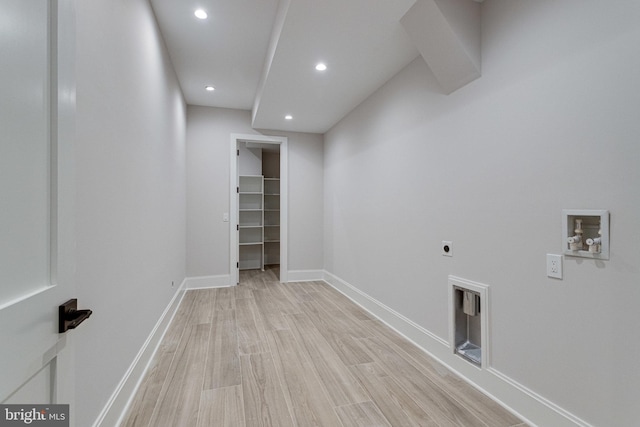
(260, 55)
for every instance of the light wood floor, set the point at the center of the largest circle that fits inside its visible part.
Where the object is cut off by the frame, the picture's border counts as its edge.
(298, 354)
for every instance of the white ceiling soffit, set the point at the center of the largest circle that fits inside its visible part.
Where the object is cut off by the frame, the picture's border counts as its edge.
(447, 34)
(361, 42)
(260, 55)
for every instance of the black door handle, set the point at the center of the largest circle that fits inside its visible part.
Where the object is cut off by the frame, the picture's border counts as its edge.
(69, 317)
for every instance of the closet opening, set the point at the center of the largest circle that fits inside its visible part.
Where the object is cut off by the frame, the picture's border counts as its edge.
(258, 223)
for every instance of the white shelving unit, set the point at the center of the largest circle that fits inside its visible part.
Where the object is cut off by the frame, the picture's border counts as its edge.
(251, 222)
(271, 221)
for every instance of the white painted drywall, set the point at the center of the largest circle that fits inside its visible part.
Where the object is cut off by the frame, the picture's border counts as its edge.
(306, 191)
(208, 135)
(208, 139)
(250, 160)
(131, 204)
(552, 124)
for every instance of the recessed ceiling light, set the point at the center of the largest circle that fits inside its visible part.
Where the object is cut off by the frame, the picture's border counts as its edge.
(210, 88)
(321, 67)
(288, 117)
(200, 14)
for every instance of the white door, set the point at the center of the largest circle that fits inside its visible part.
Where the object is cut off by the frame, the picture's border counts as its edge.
(236, 209)
(37, 104)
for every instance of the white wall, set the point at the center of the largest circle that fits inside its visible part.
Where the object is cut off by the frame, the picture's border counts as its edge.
(250, 160)
(306, 211)
(208, 140)
(131, 203)
(490, 167)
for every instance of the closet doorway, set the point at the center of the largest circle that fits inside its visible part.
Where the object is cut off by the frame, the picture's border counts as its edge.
(258, 204)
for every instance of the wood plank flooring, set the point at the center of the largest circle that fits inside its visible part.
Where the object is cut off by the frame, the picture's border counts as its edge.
(298, 354)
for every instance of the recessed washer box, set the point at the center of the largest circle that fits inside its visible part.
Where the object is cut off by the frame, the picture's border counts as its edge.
(585, 233)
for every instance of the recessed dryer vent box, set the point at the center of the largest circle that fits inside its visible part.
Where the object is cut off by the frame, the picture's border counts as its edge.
(585, 233)
(469, 321)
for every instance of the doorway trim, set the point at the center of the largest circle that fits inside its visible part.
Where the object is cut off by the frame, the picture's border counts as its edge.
(233, 201)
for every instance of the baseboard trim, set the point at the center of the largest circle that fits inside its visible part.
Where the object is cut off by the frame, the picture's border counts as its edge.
(392, 318)
(115, 409)
(305, 275)
(552, 407)
(203, 282)
(531, 407)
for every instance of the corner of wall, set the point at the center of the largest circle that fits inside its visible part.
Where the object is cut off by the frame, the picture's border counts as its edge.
(118, 404)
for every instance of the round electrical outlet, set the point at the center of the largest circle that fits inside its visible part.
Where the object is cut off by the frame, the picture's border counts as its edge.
(447, 249)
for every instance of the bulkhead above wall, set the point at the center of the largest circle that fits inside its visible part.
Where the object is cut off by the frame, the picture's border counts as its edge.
(447, 35)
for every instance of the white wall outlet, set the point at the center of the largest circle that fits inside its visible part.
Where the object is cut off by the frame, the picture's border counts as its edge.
(225, 217)
(554, 266)
(447, 248)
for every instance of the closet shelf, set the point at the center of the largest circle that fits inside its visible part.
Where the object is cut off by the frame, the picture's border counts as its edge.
(258, 221)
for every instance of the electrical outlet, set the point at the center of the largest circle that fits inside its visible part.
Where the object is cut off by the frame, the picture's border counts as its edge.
(447, 248)
(554, 266)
